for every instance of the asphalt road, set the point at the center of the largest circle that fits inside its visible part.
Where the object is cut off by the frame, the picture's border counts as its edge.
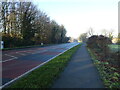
(16, 63)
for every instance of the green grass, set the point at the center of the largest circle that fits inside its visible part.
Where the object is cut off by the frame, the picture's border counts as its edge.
(108, 74)
(114, 48)
(45, 76)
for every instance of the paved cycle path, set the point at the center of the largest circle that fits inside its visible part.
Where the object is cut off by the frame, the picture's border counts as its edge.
(80, 72)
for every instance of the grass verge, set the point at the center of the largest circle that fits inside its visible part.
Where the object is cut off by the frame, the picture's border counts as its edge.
(114, 48)
(45, 76)
(109, 74)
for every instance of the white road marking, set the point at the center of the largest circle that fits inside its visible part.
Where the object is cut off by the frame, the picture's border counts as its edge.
(27, 51)
(8, 60)
(40, 51)
(10, 55)
(20, 53)
(13, 57)
(35, 68)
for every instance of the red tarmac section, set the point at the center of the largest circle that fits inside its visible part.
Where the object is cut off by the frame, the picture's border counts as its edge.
(17, 67)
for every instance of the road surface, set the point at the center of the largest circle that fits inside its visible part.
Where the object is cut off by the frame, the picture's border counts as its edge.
(16, 63)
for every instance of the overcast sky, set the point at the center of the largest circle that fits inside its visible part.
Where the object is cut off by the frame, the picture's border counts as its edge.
(79, 15)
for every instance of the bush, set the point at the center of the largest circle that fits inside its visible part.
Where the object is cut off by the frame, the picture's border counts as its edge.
(92, 42)
(116, 60)
(108, 63)
(11, 41)
(100, 43)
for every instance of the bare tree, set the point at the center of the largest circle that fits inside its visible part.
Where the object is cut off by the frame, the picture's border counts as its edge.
(83, 37)
(90, 31)
(4, 16)
(105, 32)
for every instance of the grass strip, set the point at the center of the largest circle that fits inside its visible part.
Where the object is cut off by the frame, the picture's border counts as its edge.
(114, 48)
(108, 75)
(45, 76)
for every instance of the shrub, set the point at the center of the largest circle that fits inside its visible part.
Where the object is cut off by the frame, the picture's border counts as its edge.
(100, 43)
(11, 41)
(92, 42)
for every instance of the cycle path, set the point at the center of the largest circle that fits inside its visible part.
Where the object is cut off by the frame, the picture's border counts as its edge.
(80, 72)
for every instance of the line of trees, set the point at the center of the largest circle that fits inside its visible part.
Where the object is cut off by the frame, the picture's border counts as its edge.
(23, 24)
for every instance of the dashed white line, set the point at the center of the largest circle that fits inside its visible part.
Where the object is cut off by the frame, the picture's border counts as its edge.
(40, 52)
(20, 53)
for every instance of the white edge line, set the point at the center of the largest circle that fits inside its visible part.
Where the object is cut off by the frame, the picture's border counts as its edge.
(34, 68)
